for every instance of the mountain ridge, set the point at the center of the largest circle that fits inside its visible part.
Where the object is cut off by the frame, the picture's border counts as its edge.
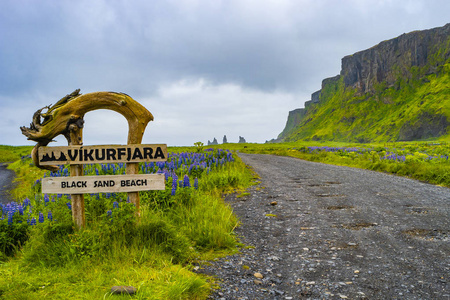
(395, 90)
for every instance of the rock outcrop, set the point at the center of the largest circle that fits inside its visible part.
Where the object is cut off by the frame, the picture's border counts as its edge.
(405, 61)
(294, 118)
(214, 142)
(390, 60)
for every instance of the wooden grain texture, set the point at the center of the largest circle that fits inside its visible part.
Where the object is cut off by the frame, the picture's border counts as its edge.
(78, 213)
(66, 118)
(71, 110)
(103, 184)
(102, 154)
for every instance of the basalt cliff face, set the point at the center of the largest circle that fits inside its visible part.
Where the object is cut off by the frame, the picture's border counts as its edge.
(396, 90)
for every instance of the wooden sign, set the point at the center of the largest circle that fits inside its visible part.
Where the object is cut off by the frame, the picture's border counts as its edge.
(101, 154)
(65, 117)
(103, 184)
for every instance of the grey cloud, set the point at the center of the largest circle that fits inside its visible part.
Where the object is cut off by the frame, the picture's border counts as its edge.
(49, 48)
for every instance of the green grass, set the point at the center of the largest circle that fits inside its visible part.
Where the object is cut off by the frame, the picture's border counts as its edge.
(417, 165)
(386, 114)
(13, 153)
(154, 253)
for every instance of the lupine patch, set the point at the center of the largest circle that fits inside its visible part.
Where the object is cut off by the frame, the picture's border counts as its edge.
(179, 170)
(418, 153)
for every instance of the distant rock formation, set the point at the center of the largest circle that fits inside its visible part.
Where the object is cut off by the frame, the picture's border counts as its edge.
(242, 140)
(225, 139)
(214, 142)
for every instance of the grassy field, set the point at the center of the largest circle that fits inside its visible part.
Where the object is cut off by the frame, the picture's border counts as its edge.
(425, 161)
(13, 153)
(44, 257)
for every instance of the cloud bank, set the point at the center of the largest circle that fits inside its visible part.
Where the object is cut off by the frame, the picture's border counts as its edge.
(203, 68)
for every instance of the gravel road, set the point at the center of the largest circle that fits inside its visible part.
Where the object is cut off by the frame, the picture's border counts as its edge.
(6, 183)
(317, 231)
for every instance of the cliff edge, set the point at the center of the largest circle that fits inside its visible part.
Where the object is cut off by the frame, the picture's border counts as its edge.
(396, 90)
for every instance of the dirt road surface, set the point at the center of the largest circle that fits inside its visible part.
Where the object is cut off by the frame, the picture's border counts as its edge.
(6, 183)
(317, 231)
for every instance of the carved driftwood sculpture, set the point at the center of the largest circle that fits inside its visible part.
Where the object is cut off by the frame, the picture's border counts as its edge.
(66, 118)
(70, 110)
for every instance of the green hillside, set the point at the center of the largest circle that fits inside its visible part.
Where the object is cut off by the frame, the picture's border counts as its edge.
(397, 113)
(386, 93)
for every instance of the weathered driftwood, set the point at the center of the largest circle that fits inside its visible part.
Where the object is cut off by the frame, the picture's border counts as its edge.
(71, 110)
(66, 118)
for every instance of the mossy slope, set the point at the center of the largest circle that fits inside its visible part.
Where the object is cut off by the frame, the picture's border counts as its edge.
(407, 104)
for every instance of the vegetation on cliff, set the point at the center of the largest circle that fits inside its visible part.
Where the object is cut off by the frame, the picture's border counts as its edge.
(383, 95)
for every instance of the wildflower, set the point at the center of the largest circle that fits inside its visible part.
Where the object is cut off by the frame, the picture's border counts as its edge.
(109, 213)
(50, 216)
(186, 182)
(33, 221)
(115, 204)
(41, 217)
(174, 190)
(69, 205)
(26, 202)
(196, 183)
(10, 217)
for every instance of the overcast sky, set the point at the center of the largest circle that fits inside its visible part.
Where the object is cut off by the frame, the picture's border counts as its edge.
(204, 69)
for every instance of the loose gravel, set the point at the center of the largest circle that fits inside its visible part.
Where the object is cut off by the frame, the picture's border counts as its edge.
(6, 183)
(317, 231)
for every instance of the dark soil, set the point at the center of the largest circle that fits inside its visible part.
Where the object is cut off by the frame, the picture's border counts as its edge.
(316, 231)
(6, 183)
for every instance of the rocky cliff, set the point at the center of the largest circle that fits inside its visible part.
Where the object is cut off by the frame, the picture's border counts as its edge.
(385, 77)
(395, 58)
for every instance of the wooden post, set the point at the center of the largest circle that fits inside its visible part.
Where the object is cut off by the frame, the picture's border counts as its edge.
(135, 134)
(66, 117)
(133, 168)
(78, 216)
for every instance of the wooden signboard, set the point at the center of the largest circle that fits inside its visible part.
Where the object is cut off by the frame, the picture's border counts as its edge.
(103, 184)
(102, 154)
(66, 118)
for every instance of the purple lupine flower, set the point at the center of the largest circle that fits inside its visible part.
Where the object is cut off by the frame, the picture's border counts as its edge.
(26, 202)
(109, 213)
(196, 183)
(69, 205)
(46, 199)
(50, 216)
(41, 217)
(174, 190)
(10, 217)
(186, 182)
(115, 204)
(33, 221)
